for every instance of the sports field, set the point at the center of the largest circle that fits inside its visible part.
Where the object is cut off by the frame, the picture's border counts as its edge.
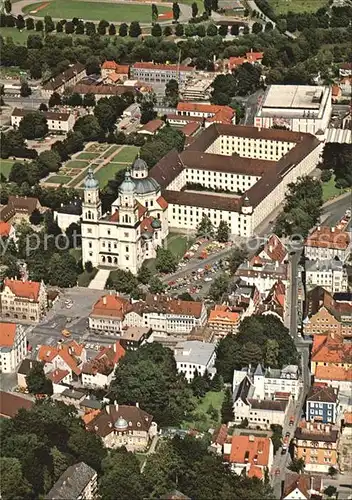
(284, 6)
(93, 11)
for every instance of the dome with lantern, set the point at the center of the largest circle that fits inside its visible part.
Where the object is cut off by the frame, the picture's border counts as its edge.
(139, 175)
(127, 186)
(156, 224)
(90, 182)
(121, 424)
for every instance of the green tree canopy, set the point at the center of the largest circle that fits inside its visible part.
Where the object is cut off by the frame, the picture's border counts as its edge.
(33, 125)
(37, 382)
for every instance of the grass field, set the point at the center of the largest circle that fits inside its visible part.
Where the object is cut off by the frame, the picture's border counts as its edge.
(87, 156)
(76, 164)
(67, 9)
(330, 190)
(108, 172)
(59, 179)
(177, 244)
(111, 150)
(17, 36)
(5, 167)
(202, 418)
(283, 6)
(126, 155)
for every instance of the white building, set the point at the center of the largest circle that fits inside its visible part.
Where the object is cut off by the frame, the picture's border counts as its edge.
(13, 346)
(160, 73)
(303, 108)
(329, 274)
(194, 356)
(68, 214)
(66, 79)
(133, 230)
(99, 371)
(57, 122)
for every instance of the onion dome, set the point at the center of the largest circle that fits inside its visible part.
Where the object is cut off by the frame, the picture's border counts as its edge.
(90, 182)
(121, 424)
(156, 224)
(127, 186)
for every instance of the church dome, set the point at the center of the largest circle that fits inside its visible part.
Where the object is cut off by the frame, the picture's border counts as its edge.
(127, 186)
(121, 424)
(156, 224)
(146, 185)
(139, 164)
(90, 182)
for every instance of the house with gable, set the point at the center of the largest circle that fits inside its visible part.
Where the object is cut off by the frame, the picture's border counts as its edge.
(23, 300)
(68, 357)
(302, 487)
(99, 371)
(249, 455)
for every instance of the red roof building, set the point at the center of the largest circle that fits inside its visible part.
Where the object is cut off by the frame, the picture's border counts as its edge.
(251, 455)
(23, 300)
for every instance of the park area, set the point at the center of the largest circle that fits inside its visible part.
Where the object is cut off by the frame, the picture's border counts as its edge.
(207, 412)
(5, 167)
(94, 11)
(296, 6)
(105, 160)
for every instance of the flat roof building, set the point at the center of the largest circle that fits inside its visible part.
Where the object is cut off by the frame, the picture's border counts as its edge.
(303, 108)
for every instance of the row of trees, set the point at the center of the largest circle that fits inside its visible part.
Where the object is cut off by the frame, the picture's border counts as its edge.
(338, 159)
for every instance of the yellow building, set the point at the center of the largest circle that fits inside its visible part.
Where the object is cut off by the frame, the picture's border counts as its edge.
(316, 443)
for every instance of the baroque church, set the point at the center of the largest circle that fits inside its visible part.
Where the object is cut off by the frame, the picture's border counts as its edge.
(135, 227)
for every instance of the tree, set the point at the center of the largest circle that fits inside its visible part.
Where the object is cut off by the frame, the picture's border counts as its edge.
(156, 286)
(297, 465)
(200, 31)
(194, 7)
(88, 266)
(223, 232)
(134, 30)
(251, 354)
(236, 258)
(217, 383)
(89, 127)
(227, 407)
(205, 228)
(156, 30)
(25, 90)
(20, 24)
(35, 217)
(179, 30)
(123, 29)
(147, 108)
(43, 107)
(330, 491)
(144, 274)
(13, 484)
(69, 28)
(269, 26)
(54, 100)
(223, 30)
(73, 100)
(172, 93)
(257, 28)
(212, 30)
(200, 384)
(155, 13)
(37, 382)
(185, 296)
(89, 100)
(167, 31)
(49, 25)
(102, 27)
(219, 287)
(271, 353)
(122, 281)
(165, 261)
(7, 6)
(215, 5)
(276, 437)
(29, 24)
(338, 157)
(33, 125)
(235, 30)
(326, 175)
(176, 11)
(207, 6)
(166, 395)
(62, 270)
(112, 29)
(106, 116)
(332, 471)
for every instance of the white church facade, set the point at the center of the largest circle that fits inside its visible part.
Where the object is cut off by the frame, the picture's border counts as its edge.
(135, 227)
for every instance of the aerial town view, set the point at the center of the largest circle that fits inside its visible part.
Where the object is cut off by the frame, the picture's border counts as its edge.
(176, 250)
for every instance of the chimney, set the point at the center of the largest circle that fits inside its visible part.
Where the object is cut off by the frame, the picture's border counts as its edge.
(318, 228)
(107, 409)
(327, 428)
(137, 404)
(116, 407)
(104, 300)
(251, 438)
(333, 229)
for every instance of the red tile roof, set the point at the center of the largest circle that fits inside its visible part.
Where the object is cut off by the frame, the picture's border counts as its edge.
(5, 229)
(333, 373)
(7, 334)
(11, 403)
(190, 128)
(111, 306)
(57, 375)
(105, 361)
(275, 249)
(327, 237)
(331, 348)
(167, 305)
(109, 65)
(24, 289)
(255, 471)
(200, 108)
(236, 61)
(254, 56)
(69, 352)
(141, 210)
(152, 126)
(219, 435)
(162, 203)
(255, 449)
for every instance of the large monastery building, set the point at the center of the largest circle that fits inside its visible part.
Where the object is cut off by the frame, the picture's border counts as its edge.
(244, 173)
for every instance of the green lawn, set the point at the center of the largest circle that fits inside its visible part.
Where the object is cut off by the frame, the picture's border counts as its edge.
(126, 155)
(108, 172)
(67, 9)
(85, 278)
(283, 6)
(76, 164)
(87, 156)
(5, 167)
(77, 253)
(111, 150)
(59, 179)
(330, 190)
(178, 244)
(19, 37)
(200, 419)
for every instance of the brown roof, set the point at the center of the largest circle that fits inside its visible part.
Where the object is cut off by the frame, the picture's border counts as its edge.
(325, 394)
(11, 403)
(190, 128)
(64, 77)
(164, 67)
(318, 297)
(111, 306)
(24, 203)
(219, 435)
(105, 361)
(136, 418)
(203, 200)
(328, 237)
(267, 404)
(49, 115)
(7, 334)
(303, 482)
(316, 435)
(152, 126)
(82, 88)
(167, 305)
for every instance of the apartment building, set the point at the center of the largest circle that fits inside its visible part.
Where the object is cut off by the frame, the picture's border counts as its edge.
(223, 321)
(337, 377)
(210, 113)
(249, 455)
(66, 79)
(57, 122)
(68, 357)
(23, 300)
(98, 372)
(160, 73)
(321, 404)
(193, 356)
(78, 482)
(316, 444)
(108, 314)
(326, 243)
(122, 425)
(330, 350)
(329, 274)
(13, 346)
(19, 208)
(114, 71)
